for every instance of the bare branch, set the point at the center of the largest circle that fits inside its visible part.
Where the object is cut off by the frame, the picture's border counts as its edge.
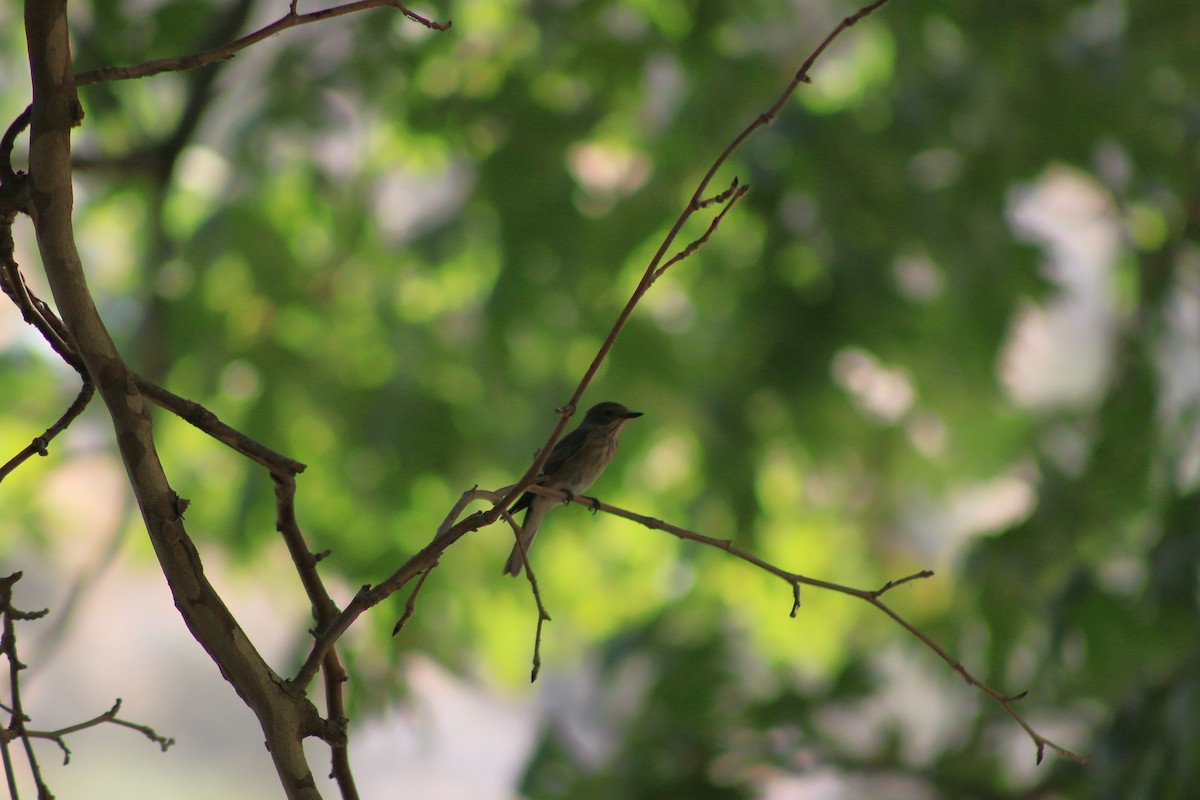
(652, 271)
(718, 199)
(795, 580)
(290, 20)
(18, 724)
(109, 716)
(369, 596)
(208, 422)
(472, 494)
(164, 742)
(698, 202)
(38, 446)
(411, 605)
(282, 469)
(543, 615)
(732, 195)
(285, 717)
(38, 313)
(34, 310)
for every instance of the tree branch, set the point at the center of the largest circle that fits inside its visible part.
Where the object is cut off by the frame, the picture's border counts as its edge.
(698, 202)
(727, 199)
(16, 727)
(653, 269)
(450, 531)
(18, 724)
(369, 596)
(38, 446)
(872, 596)
(290, 20)
(286, 717)
(58, 736)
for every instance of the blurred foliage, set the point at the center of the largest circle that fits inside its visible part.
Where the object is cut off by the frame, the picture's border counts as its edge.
(390, 253)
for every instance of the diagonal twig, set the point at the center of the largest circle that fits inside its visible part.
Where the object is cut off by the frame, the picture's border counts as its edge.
(38, 445)
(698, 200)
(653, 269)
(410, 605)
(290, 20)
(728, 198)
(543, 614)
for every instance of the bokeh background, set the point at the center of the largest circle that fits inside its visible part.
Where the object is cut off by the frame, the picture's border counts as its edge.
(955, 324)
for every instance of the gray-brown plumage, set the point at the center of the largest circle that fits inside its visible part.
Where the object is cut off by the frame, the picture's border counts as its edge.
(574, 464)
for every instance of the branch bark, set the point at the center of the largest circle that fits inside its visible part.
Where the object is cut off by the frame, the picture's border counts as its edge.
(285, 715)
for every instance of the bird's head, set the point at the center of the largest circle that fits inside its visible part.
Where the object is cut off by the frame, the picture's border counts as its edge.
(608, 415)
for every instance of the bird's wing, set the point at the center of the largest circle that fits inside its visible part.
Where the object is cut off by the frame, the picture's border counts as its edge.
(567, 447)
(524, 502)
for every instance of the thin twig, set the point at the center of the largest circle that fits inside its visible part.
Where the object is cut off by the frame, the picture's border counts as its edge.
(472, 494)
(722, 197)
(7, 173)
(411, 605)
(18, 724)
(369, 596)
(283, 472)
(8, 644)
(9, 772)
(109, 716)
(227, 51)
(38, 313)
(164, 742)
(34, 310)
(653, 271)
(543, 615)
(872, 596)
(733, 194)
(38, 446)
(335, 677)
(698, 202)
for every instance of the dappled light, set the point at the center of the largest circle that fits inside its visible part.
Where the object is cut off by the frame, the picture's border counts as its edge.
(914, 325)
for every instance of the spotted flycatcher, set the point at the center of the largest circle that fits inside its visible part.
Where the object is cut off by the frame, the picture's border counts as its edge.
(574, 464)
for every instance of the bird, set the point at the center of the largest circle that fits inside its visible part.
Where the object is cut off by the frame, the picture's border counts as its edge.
(574, 464)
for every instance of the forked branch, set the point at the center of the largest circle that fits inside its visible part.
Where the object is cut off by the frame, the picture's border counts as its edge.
(18, 728)
(655, 268)
(872, 596)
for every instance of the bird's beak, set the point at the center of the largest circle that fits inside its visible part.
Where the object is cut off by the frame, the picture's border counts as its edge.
(632, 414)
